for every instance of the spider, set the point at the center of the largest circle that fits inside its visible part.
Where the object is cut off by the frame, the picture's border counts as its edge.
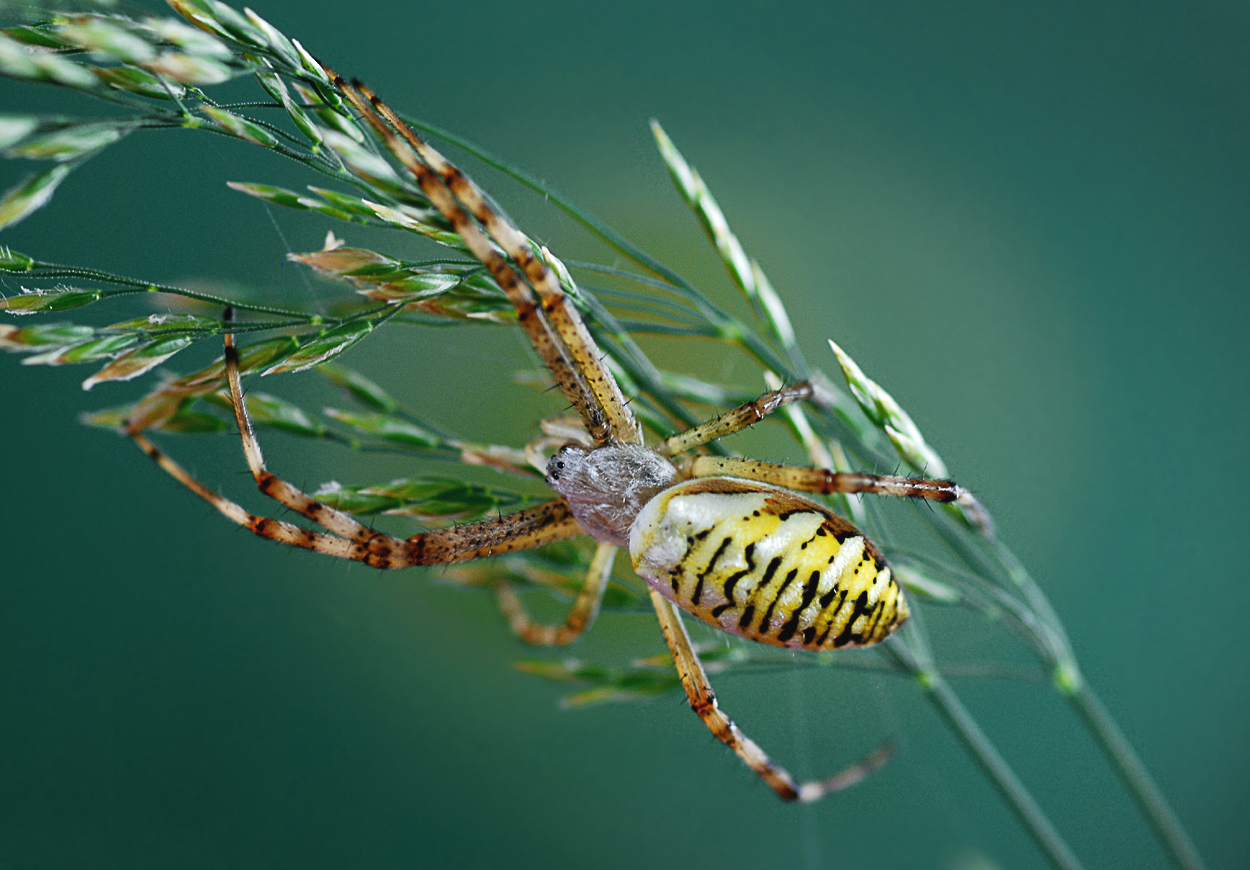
(728, 541)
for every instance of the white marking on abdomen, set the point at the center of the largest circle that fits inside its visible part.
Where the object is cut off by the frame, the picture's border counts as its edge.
(852, 551)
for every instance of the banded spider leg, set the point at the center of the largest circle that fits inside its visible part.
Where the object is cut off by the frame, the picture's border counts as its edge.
(347, 538)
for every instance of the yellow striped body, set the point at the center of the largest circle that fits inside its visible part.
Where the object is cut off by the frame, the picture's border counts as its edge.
(765, 564)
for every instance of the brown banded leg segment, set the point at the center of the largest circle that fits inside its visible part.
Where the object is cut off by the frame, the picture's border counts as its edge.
(824, 482)
(580, 616)
(516, 531)
(622, 427)
(737, 419)
(554, 328)
(274, 530)
(332, 520)
(694, 680)
(522, 530)
(529, 310)
(350, 539)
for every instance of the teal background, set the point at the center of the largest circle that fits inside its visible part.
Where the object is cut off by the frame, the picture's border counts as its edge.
(1030, 226)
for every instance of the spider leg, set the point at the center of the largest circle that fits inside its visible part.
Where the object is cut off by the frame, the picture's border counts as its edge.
(500, 534)
(580, 616)
(544, 311)
(735, 420)
(521, 530)
(350, 539)
(824, 482)
(275, 530)
(817, 480)
(703, 700)
(270, 484)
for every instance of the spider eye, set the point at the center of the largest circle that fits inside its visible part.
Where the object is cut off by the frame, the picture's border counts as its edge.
(559, 464)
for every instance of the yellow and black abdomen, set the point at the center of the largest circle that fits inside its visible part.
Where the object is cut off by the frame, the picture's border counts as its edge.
(765, 564)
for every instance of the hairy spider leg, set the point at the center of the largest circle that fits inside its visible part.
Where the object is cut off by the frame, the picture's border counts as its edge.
(815, 480)
(703, 701)
(733, 421)
(350, 539)
(554, 328)
(522, 530)
(581, 615)
(618, 424)
(824, 482)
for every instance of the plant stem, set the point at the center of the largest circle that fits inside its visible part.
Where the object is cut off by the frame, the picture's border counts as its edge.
(1051, 645)
(1136, 778)
(992, 763)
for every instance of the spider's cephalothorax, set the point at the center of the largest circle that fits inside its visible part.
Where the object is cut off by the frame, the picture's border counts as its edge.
(727, 540)
(606, 487)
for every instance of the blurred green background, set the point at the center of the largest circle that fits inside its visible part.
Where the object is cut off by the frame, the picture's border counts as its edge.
(1030, 226)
